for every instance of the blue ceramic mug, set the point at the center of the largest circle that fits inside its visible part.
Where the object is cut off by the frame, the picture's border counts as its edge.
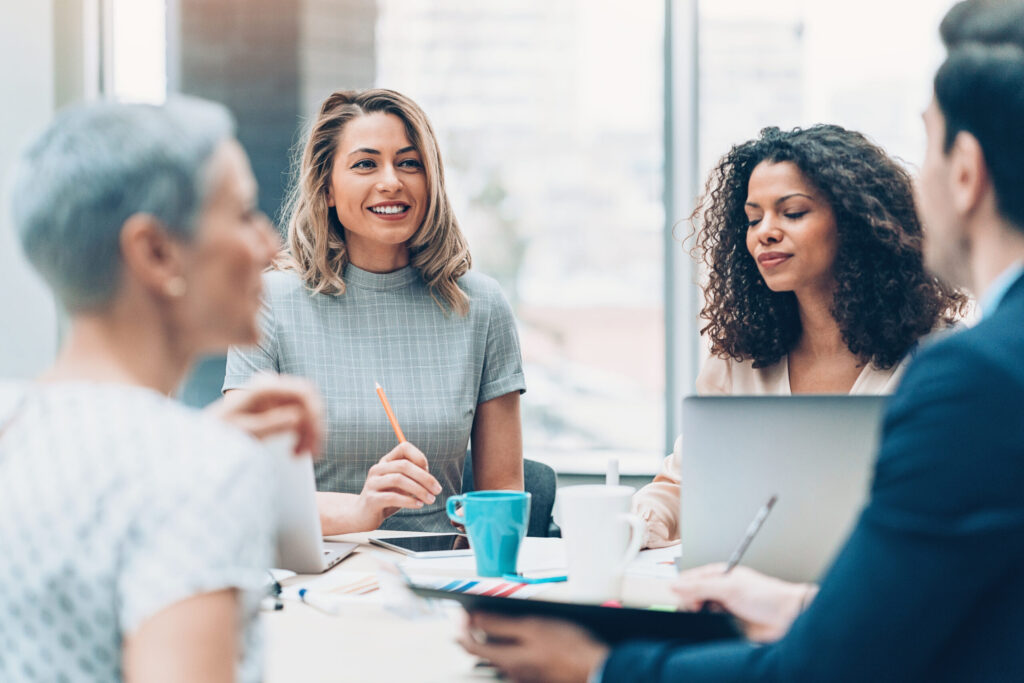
(496, 522)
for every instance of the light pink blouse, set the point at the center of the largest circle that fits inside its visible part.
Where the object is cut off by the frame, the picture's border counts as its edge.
(658, 502)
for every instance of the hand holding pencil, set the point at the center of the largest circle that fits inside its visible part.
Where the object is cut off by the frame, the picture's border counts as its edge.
(401, 479)
(764, 606)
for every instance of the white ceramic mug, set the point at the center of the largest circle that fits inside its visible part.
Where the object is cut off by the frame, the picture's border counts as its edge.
(601, 538)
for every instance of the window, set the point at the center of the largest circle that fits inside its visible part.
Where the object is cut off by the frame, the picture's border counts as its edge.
(866, 66)
(566, 176)
(138, 50)
(549, 114)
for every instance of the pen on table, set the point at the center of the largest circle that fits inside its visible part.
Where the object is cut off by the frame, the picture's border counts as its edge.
(737, 555)
(391, 414)
(328, 604)
(519, 578)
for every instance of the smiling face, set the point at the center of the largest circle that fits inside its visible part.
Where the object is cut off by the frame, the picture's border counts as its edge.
(233, 243)
(379, 188)
(791, 231)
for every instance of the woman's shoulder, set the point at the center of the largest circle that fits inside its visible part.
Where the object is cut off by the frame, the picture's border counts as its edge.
(484, 292)
(283, 283)
(125, 429)
(171, 416)
(714, 376)
(157, 425)
(880, 381)
(475, 282)
(191, 451)
(874, 380)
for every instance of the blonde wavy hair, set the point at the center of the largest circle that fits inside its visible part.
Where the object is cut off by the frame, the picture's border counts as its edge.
(316, 238)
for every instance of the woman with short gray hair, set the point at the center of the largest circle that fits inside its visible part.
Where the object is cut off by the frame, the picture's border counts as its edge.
(136, 531)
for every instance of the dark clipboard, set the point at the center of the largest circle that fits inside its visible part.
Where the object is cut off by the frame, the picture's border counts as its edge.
(610, 624)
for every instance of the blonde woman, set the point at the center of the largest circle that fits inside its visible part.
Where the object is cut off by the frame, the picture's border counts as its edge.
(374, 286)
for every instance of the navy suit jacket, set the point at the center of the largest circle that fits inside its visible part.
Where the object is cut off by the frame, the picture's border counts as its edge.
(930, 584)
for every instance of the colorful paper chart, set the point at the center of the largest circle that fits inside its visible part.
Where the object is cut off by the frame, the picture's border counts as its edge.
(495, 587)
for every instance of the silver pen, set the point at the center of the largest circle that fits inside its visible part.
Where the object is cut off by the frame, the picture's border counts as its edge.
(752, 530)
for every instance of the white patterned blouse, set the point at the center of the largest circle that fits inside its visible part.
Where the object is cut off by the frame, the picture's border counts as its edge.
(115, 503)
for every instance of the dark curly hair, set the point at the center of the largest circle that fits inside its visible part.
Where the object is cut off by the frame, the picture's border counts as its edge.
(884, 300)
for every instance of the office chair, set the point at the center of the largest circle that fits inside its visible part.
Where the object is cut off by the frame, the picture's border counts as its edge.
(540, 481)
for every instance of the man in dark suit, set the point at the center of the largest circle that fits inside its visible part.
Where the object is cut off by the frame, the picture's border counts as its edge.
(930, 584)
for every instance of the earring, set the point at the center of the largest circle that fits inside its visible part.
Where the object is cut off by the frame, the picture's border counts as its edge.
(176, 287)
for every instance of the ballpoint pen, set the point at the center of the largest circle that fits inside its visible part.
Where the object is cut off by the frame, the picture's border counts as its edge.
(323, 602)
(737, 554)
(752, 530)
(518, 578)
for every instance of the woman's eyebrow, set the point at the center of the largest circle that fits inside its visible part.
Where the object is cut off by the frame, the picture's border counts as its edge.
(780, 199)
(791, 195)
(370, 150)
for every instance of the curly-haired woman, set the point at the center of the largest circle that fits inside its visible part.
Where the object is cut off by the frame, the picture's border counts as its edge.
(815, 278)
(375, 286)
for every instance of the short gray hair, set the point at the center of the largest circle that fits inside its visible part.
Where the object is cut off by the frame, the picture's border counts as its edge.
(94, 167)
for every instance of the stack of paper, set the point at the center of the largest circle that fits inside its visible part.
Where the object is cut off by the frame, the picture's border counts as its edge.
(659, 563)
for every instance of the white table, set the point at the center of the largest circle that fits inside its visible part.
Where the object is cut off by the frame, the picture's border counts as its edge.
(369, 643)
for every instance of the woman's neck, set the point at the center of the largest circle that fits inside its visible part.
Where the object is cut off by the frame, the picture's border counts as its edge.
(375, 257)
(820, 334)
(111, 348)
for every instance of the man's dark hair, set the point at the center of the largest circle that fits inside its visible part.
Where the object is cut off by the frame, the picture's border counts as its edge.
(980, 90)
(989, 22)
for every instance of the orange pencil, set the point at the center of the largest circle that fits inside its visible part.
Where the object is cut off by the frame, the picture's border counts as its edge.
(391, 414)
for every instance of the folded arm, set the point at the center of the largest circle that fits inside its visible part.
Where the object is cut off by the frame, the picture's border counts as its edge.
(657, 503)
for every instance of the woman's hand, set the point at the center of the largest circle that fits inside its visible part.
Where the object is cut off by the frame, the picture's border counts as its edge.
(765, 606)
(534, 649)
(399, 480)
(274, 404)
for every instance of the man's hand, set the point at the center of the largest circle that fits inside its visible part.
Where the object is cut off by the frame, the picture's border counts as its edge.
(274, 404)
(765, 606)
(531, 649)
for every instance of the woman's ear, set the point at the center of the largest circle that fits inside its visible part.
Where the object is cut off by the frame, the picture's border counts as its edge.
(152, 256)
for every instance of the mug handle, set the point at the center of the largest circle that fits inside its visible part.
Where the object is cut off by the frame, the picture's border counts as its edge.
(636, 537)
(450, 508)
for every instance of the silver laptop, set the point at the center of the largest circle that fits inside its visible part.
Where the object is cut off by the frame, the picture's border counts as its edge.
(815, 452)
(300, 547)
